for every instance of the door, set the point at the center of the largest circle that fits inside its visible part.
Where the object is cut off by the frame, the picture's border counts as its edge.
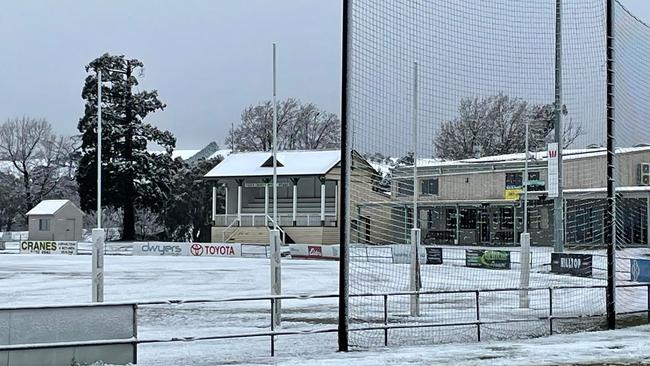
(68, 234)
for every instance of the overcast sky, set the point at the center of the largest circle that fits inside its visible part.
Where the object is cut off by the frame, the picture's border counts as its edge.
(207, 59)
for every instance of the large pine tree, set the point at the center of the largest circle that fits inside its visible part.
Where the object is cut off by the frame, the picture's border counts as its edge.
(131, 176)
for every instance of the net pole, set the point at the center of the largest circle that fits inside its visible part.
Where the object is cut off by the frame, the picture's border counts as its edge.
(558, 202)
(346, 168)
(276, 267)
(611, 184)
(524, 276)
(415, 231)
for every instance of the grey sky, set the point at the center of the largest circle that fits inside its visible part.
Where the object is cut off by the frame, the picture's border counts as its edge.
(208, 59)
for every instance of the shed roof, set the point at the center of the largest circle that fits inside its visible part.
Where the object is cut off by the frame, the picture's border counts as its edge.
(290, 163)
(47, 207)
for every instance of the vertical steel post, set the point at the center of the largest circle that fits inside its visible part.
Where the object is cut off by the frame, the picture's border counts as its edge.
(385, 320)
(611, 182)
(98, 236)
(415, 231)
(550, 309)
(478, 315)
(276, 265)
(346, 168)
(99, 149)
(558, 202)
(524, 260)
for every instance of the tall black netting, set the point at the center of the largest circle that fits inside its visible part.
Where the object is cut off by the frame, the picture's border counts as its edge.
(440, 95)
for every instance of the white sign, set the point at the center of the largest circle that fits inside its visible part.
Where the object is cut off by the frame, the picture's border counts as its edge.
(262, 185)
(553, 167)
(48, 247)
(161, 248)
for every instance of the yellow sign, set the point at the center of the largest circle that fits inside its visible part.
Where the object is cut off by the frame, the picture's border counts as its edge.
(513, 194)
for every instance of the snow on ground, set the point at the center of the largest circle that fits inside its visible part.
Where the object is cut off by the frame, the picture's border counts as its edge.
(34, 279)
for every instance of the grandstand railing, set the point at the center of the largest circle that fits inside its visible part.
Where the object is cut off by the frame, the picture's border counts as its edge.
(260, 219)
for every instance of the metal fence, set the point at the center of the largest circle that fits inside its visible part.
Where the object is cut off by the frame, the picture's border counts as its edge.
(386, 323)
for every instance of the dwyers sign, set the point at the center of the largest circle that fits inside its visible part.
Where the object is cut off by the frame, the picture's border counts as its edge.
(434, 255)
(492, 259)
(640, 270)
(215, 250)
(572, 263)
(160, 248)
(48, 247)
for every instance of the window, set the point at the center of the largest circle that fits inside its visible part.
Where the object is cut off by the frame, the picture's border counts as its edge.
(429, 187)
(468, 218)
(43, 225)
(405, 188)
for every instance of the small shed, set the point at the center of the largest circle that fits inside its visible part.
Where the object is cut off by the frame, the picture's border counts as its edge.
(55, 220)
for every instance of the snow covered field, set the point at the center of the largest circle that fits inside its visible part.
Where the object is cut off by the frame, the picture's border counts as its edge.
(33, 279)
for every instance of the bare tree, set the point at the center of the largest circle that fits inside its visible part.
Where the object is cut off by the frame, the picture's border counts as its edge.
(256, 130)
(300, 126)
(314, 129)
(496, 125)
(39, 157)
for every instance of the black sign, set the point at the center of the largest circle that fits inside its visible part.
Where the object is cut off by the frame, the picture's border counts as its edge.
(434, 255)
(492, 259)
(571, 263)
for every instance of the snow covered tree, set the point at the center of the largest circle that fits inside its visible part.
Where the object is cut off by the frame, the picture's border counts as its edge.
(300, 126)
(188, 212)
(496, 125)
(132, 177)
(37, 156)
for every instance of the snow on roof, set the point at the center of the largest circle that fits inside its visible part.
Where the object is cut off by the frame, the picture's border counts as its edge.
(223, 153)
(568, 154)
(295, 162)
(47, 207)
(184, 154)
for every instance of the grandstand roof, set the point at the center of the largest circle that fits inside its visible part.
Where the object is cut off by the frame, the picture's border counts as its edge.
(290, 163)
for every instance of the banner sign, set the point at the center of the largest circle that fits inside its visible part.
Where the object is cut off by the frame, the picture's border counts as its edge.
(313, 251)
(433, 255)
(48, 247)
(161, 248)
(553, 168)
(215, 249)
(491, 259)
(572, 263)
(640, 270)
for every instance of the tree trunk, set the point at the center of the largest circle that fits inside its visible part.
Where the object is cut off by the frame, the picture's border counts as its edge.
(128, 221)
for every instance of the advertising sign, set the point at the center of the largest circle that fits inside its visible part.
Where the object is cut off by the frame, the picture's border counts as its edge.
(553, 167)
(572, 263)
(310, 251)
(640, 270)
(48, 247)
(490, 259)
(215, 249)
(433, 255)
(161, 248)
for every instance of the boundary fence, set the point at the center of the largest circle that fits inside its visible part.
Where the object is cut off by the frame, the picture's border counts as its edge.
(383, 323)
